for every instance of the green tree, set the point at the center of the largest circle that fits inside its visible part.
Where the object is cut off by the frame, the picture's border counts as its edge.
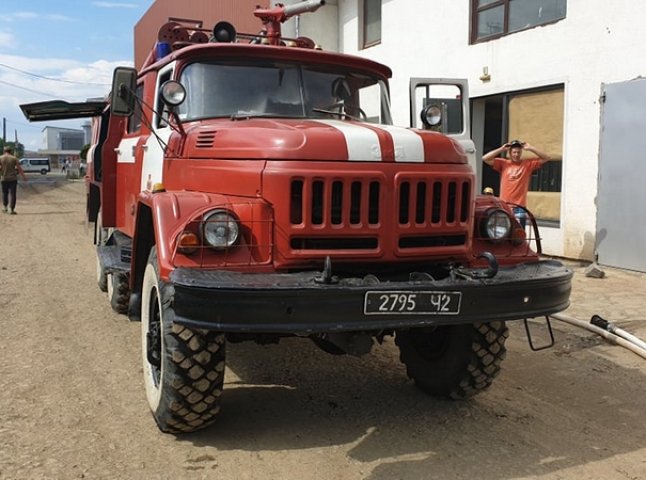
(18, 148)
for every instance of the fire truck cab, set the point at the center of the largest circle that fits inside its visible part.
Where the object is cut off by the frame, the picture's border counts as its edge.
(253, 187)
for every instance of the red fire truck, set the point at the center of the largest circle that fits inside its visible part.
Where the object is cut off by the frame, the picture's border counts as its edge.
(252, 187)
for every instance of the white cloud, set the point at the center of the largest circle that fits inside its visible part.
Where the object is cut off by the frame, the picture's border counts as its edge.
(21, 15)
(57, 17)
(114, 5)
(93, 80)
(7, 40)
(25, 16)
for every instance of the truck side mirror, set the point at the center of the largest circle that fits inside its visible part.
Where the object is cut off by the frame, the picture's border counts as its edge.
(122, 98)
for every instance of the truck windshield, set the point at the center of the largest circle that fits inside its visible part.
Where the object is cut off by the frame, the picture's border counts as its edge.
(288, 90)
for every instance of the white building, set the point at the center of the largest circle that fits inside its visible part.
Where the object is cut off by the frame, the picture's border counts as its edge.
(551, 72)
(62, 144)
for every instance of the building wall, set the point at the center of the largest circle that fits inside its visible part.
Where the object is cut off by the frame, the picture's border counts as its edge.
(57, 139)
(237, 12)
(320, 26)
(593, 45)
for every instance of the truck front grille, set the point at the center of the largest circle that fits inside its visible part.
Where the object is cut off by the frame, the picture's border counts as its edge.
(335, 214)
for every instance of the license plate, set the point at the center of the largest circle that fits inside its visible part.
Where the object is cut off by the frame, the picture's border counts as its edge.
(412, 303)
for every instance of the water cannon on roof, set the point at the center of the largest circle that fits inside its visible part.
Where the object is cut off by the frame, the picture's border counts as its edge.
(179, 33)
(272, 17)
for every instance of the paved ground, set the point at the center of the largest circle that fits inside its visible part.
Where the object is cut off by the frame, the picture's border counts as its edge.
(72, 403)
(619, 297)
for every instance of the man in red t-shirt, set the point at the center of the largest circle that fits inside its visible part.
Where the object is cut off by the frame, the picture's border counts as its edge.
(515, 172)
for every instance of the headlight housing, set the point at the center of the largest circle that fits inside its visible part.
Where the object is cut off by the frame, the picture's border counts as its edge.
(221, 229)
(431, 115)
(173, 93)
(496, 225)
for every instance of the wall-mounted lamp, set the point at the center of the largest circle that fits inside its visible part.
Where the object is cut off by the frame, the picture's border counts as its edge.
(485, 77)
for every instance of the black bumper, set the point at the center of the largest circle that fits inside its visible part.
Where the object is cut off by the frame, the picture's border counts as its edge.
(294, 303)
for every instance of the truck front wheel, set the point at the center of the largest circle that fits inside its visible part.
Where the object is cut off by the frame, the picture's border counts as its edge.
(183, 367)
(455, 361)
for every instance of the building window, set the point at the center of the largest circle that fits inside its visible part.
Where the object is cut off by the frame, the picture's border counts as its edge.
(71, 140)
(534, 116)
(371, 22)
(495, 18)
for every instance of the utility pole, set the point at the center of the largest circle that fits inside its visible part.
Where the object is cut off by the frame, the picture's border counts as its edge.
(4, 130)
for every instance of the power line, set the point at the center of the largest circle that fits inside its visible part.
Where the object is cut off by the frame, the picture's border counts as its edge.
(50, 78)
(13, 122)
(27, 89)
(46, 94)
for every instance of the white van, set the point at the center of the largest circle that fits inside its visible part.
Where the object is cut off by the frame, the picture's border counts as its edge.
(35, 165)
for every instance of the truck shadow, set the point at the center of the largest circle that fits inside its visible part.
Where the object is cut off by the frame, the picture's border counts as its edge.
(543, 414)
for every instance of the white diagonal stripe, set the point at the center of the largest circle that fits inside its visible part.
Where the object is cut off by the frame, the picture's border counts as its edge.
(409, 146)
(362, 143)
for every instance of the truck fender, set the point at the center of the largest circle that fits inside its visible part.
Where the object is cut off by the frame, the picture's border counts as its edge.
(161, 217)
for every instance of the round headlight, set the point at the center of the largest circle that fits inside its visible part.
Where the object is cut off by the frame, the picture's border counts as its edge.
(220, 229)
(173, 93)
(497, 225)
(431, 115)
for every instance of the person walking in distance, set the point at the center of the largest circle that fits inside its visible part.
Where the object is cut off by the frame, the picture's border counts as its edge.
(9, 171)
(515, 172)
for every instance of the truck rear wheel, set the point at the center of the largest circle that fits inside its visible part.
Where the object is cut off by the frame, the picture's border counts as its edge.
(100, 237)
(101, 277)
(118, 284)
(456, 361)
(183, 367)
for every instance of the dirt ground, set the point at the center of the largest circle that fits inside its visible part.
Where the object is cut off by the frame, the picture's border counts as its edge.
(72, 402)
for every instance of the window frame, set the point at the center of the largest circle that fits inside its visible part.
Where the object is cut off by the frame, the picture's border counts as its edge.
(475, 11)
(364, 43)
(550, 168)
(305, 72)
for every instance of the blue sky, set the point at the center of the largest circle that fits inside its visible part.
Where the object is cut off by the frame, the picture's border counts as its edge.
(74, 44)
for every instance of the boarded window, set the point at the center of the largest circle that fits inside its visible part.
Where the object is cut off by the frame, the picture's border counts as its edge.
(537, 118)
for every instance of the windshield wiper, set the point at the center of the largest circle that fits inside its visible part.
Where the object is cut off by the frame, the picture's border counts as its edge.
(337, 113)
(249, 115)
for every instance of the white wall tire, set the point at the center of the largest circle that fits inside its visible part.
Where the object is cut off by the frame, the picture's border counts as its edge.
(101, 276)
(183, 367)
(100, 238)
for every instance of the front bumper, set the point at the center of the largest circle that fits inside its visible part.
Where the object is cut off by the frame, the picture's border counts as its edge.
(294, 303)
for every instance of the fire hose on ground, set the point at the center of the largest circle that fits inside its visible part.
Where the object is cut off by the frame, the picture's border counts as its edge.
(607, 330)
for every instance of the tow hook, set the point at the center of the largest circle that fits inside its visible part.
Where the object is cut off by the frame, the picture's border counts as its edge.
(490, 272)
(326, 276)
